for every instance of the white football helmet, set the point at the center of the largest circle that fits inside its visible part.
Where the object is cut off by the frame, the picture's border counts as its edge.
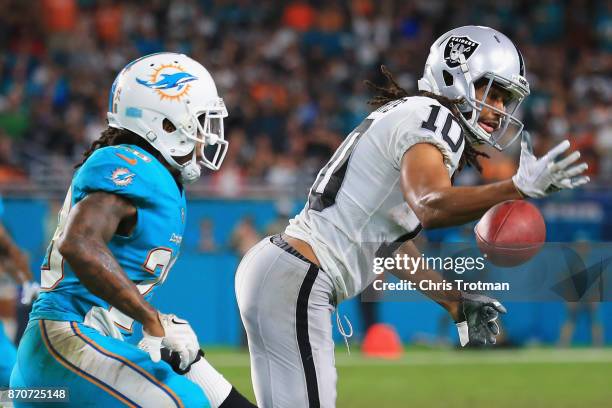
(465, 55)
(173, 87)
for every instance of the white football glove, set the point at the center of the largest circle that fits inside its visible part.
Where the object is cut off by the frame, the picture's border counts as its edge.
(29, 292)
(178, 337)
(539, 177)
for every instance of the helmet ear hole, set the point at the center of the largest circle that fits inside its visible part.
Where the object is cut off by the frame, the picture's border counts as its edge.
(448, 78)
(168, 126)
(202, 119)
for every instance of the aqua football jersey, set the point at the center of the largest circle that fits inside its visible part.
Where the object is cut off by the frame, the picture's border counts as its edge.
(146, 256)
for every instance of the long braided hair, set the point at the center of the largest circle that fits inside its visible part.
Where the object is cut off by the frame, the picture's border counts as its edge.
(113, 137)
(394, 92)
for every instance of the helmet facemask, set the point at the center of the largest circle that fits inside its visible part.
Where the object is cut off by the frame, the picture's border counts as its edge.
(210, 125)
(510, 127)
(203, 130)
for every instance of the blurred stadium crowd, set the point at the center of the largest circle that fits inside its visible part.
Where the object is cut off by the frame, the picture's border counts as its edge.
(291, 74)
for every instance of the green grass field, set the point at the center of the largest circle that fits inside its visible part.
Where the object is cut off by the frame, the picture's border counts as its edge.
(459, 378)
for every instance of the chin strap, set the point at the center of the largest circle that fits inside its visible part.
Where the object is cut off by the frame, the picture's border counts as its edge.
(190, 173)
(466, 107)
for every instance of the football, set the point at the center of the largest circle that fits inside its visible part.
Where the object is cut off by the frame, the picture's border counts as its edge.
(511, 233)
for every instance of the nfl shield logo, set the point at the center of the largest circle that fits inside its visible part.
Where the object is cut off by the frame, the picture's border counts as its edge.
(457, 46)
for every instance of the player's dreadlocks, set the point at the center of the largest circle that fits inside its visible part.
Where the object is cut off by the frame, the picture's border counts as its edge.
(113, 137)
(394, 92)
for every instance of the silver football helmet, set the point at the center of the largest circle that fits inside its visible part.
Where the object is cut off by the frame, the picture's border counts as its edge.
(466, 55)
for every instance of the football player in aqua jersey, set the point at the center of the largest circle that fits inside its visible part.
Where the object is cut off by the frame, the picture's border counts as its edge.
(391, 177)
(118, 235)
(14, 263)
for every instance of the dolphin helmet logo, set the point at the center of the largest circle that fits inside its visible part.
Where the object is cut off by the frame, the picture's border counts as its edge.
(169, 82)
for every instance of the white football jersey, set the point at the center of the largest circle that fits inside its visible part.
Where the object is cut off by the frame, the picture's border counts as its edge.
(355, 205)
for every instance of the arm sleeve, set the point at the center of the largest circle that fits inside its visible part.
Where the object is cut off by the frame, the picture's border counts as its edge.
(118, 172)
(411, 128)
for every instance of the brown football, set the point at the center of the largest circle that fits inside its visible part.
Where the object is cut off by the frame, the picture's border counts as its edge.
(511, 233)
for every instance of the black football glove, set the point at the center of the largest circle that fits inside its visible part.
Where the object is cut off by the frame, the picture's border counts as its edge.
(477, 323)
(174, 359)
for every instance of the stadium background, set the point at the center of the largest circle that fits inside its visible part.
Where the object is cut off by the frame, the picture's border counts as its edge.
(292, 74)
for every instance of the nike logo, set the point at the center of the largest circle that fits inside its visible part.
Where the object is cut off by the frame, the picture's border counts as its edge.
(127, 159)
(175, 322)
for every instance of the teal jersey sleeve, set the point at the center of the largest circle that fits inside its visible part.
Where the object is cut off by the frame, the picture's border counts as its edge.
(119, 170)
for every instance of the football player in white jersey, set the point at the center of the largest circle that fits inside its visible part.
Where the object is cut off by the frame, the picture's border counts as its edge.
(390, 178)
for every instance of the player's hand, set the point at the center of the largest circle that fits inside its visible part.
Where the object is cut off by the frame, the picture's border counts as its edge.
(477, 319)
(539, 177)
(174, 359)
(178, 336)
(29, 292)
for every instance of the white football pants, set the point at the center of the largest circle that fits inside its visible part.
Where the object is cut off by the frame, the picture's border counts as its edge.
(286, 303)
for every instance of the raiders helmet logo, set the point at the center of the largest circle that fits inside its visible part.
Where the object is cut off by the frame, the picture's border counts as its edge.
(457, 46)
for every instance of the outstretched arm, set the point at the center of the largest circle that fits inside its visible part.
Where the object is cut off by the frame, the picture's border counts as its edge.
(90, 226)
(427, 187)
(428, 190)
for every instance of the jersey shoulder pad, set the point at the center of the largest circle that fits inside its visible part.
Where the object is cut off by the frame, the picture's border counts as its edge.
(424, 120)
(123, 170)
